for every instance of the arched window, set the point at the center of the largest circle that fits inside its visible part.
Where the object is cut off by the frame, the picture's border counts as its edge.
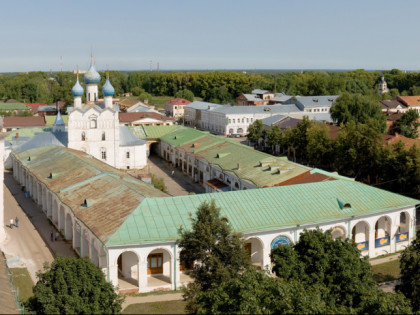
(93, 122)
(83, 136)
(103, 136)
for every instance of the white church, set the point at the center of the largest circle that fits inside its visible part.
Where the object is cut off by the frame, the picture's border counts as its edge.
(92, 128)
(96, 130)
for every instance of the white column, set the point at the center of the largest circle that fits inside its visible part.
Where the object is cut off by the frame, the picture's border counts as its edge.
(142, 274)
(266, 258)
(372, 242)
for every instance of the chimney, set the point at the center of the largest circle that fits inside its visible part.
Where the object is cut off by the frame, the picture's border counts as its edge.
(239, 166)
(17, 135)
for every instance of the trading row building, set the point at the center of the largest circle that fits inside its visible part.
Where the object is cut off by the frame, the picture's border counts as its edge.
(129, 229)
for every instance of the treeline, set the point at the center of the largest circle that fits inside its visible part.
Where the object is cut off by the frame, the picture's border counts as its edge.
(216, 86)
(358, 152)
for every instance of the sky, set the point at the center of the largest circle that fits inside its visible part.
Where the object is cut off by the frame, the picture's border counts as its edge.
(209, 34)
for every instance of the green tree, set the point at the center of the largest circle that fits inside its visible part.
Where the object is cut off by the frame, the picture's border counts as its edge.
(358, 108)
(410, 273)
(73, 286)
(144, 96)
(255, 131)
(357, 151)
(320, 147)
(336, 269)
(256, 292)
(218, 252)
(186, 94)
(408, 123)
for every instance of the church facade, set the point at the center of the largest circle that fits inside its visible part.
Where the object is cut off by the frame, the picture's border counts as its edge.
(95, 129)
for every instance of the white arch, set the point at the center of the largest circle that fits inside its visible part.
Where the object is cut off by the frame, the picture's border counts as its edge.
(343, 231)
(357, 229)
(157, 249)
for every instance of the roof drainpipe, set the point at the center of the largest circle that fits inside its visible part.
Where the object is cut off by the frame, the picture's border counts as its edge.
(175, 266)
(348, 229)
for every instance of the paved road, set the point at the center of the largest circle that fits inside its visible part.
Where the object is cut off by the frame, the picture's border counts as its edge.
(178, 184)
(378, 261)
(30, 241)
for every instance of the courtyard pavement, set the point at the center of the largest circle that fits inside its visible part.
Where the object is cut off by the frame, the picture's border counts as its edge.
(28, 245)
(178, 184)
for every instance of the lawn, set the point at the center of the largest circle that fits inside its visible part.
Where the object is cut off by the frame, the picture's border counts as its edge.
(388, 271)
(51, 119)
(160, 101)
(22, 280)
(165, 307)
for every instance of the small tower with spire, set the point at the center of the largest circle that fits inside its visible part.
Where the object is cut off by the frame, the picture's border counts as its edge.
(59, 125)
(382, 88)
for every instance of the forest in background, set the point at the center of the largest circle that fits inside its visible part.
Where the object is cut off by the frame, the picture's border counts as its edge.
(217, 86)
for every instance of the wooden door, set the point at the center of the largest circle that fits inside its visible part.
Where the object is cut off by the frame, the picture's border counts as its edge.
(248, 249)
(155, 264)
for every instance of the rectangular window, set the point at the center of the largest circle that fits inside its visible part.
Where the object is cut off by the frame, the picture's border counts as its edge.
(103, 155)
(127, 154)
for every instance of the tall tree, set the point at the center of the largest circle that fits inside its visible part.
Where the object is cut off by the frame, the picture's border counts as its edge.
(408, 124)
(335, 267)
(216, 251)
(359, 109)
(73, 286)
(410, 273)
(186, 94)
(255, 131)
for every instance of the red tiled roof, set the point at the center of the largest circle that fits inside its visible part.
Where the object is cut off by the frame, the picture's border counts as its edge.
(25, 121)
(130, 117)
(408, 142)
(313, 178)
(178, 101)
(409, 100)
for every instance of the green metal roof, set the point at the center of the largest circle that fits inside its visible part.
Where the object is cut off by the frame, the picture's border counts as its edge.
(13, 106)
(152, 132)
(158, 219)
(257, 168)
(23, 132)
(77, 176)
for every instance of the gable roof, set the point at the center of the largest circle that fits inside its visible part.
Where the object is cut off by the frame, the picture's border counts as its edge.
(248, 211)
(78, 176)
(13, 106)
(256, 168)
(128, 103)
(178, 101)
(23, 121)
(312, 101)
(134, 116)
(409, 100)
